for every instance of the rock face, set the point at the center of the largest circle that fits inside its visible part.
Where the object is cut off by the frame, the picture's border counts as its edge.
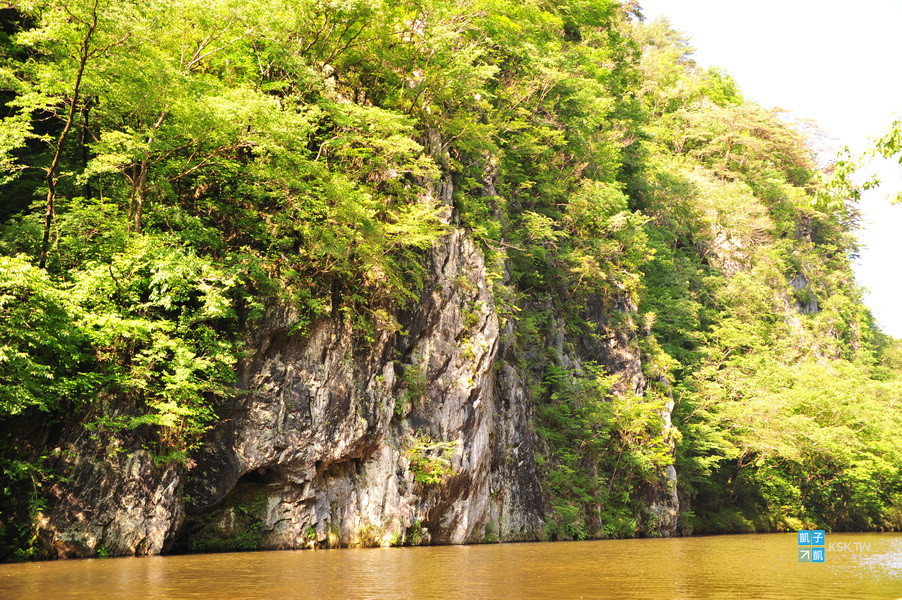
(337, 429)
(422, 434)
(805, 301)
(120, 505)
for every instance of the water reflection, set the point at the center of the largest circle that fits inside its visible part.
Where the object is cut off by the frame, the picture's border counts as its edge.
(718, 567)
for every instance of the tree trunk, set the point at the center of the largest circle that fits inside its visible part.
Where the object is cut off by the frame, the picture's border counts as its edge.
(52, 176)
(139, 181)
(141, 186)
(85, 138)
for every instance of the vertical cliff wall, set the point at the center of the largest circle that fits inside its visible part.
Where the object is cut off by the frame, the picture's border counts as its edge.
(422, 435)
(333, 427)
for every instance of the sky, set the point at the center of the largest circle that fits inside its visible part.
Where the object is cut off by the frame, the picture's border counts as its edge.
(835, 62)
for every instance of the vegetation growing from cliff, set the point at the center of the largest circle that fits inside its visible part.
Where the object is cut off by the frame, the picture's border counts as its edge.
(170, 169)
(603, 448)
(430, 461)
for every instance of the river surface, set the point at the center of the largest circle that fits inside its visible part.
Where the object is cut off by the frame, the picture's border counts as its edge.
(742, 567)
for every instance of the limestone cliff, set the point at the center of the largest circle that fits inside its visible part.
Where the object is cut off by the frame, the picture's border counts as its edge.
(333, 438)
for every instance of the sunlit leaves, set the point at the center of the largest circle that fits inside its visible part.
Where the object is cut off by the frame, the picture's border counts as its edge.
(42, 348)
(600, 448)
(152, 316)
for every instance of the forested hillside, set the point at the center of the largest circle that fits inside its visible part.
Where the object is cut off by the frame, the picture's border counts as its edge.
(173, 170)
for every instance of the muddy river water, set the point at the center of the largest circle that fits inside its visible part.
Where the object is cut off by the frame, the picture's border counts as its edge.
(741, 566)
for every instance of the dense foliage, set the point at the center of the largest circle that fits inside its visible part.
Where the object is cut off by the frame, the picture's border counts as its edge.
(170, 167)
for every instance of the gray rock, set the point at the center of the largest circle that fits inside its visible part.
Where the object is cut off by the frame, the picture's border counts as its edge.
(335, 419)
(333, 440)
(120, 505)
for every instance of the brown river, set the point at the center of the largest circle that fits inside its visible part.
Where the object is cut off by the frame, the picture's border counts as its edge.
(742, 566)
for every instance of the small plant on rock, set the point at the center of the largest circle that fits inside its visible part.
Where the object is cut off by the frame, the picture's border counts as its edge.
(430, 461)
